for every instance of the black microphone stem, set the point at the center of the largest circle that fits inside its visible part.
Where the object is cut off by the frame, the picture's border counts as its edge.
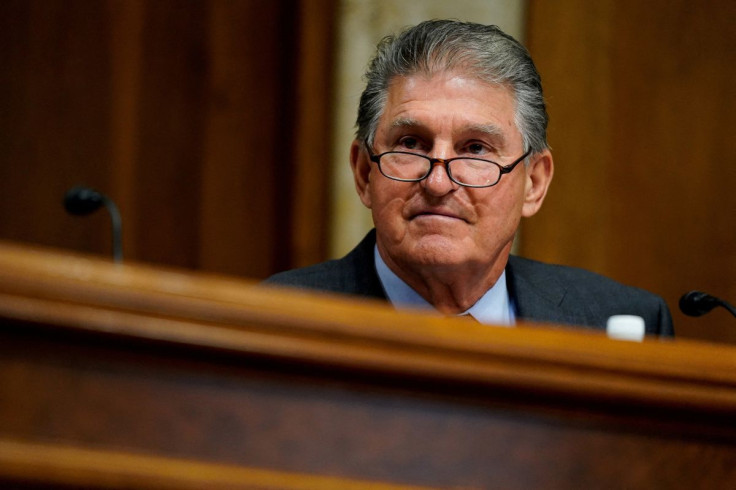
(729, 307)
(82, 201)
(117, 228)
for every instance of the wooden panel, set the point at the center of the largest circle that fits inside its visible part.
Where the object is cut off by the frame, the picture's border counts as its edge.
(173, 100)
(248, 158)
(58, 466)
(196, 117)
(54, 129)
(127, 19)
(162, 363)
(641, 100)
(313, 145)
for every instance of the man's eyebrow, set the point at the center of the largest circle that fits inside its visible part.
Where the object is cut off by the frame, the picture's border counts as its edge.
(491, 130)
(406, 122)
(488, 129)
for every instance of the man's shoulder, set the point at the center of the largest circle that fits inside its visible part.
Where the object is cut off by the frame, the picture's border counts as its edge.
(543, 270)
(583, 281)
(354, 274)
(583, 296)
(321, 276)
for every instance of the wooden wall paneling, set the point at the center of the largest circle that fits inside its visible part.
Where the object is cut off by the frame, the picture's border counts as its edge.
(238, 168)
(175, 68)
(577, 84)
(675, 107)
(246, 195)
(641, 101)
(313, 130)
(203, 120)
(54, 121)
(264, 201)
(127, 19)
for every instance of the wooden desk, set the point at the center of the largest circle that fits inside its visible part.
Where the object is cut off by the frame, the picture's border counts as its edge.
(127, 376)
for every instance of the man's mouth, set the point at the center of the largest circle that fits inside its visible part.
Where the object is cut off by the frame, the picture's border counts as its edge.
(437, 213)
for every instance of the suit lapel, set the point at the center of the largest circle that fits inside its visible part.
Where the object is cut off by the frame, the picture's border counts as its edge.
(363, 267)
(539, 295)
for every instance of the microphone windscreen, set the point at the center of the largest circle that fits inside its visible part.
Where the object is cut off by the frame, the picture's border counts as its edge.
(696, 303)
(82, 200)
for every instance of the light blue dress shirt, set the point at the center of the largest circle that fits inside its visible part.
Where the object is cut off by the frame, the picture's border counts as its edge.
(493, 308)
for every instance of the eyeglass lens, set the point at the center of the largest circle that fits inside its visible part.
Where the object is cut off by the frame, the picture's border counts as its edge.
(406, 166)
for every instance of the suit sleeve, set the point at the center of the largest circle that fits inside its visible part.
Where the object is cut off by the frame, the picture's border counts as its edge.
(665, 325)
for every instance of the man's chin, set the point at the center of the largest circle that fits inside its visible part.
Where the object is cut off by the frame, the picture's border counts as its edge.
(421, 246)
(437, 249)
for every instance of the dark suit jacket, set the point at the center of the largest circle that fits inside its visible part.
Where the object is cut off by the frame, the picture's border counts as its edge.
(540, 292)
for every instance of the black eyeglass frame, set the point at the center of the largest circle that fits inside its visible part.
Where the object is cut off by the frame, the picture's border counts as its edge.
(504, 169)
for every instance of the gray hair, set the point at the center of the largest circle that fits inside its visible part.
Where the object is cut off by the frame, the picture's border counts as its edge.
(483, 52)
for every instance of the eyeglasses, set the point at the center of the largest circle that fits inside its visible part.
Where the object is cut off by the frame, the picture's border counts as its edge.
(469, 172)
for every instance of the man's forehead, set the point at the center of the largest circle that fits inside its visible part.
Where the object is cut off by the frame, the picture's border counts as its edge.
(488, 129)
(457, 73)
(449, 102)
(441, 91)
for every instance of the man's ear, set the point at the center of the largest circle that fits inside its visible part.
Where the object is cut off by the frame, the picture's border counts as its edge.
(538, 177)
(361, 165)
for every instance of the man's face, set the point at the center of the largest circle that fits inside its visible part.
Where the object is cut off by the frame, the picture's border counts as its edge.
(436, 223)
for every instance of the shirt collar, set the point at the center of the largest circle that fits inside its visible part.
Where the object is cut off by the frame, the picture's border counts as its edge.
(494, 307)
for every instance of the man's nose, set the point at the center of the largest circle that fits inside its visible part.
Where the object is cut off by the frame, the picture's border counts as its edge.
(438, 181)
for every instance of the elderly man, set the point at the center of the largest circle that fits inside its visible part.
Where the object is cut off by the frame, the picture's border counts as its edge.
(450, 154)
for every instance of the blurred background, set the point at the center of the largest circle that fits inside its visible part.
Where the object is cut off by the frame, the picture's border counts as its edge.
(221, 129)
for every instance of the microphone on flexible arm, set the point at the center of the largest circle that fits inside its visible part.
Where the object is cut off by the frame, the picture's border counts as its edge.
(696, 303)
(81, 201)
